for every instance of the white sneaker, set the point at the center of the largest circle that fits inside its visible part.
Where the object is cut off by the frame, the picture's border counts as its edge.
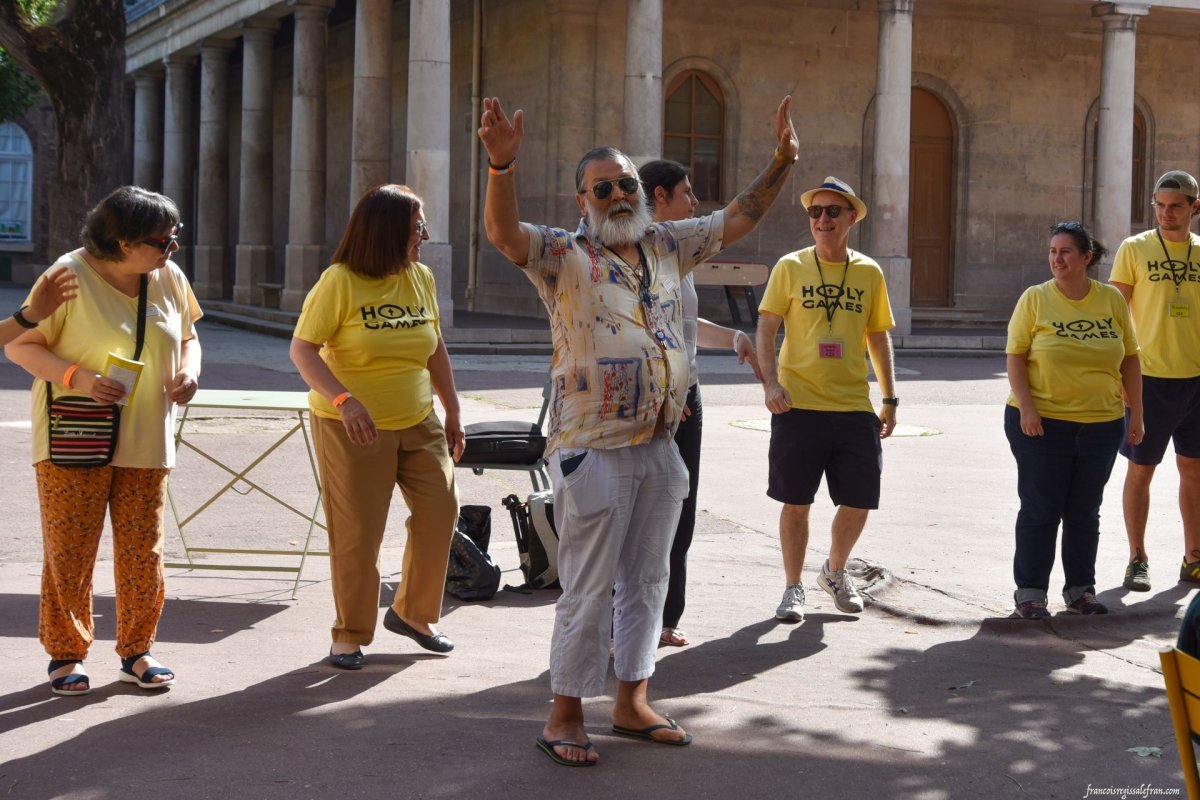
(840, 587)
(791, 609)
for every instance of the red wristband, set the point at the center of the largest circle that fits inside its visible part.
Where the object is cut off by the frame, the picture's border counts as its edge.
(70, 373)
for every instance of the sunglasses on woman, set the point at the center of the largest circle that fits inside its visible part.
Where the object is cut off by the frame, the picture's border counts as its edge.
(602, 189)
(165, 244)
(833, 211)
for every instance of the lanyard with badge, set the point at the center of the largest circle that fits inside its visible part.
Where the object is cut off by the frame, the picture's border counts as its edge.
(831, 346)
(1176, 307)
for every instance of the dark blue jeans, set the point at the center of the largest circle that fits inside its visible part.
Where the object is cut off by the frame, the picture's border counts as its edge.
(1060, 477)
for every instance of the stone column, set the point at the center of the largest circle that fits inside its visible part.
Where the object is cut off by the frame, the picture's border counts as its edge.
(643, 80)
(212, 212)
(177, 145)
(305, 253)
(428, 156)
(148, 128)
(371, 136)
(888, 198)
(254, 256)
(1114, 150)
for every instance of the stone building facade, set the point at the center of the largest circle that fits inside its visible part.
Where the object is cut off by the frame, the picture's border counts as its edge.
(968, 126)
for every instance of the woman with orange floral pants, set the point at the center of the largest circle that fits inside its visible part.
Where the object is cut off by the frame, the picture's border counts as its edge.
(127, 243)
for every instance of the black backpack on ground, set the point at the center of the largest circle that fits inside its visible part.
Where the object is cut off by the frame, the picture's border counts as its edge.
(471, 574)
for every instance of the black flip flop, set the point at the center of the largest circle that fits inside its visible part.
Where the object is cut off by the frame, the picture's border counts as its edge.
(547, 747)
(646, 733)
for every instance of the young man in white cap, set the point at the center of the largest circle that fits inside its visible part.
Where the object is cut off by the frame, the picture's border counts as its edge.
(1159, 274)
(835, 303)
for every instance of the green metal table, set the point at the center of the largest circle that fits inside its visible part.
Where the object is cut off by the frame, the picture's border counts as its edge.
(294, 403)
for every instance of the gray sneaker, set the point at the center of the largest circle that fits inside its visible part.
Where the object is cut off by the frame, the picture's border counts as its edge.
(840, 587)
(791, 609)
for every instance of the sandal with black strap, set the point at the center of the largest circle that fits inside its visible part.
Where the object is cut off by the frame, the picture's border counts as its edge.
(61, 686)
(146, 679)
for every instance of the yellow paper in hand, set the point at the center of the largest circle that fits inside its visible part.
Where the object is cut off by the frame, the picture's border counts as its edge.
(124, 371)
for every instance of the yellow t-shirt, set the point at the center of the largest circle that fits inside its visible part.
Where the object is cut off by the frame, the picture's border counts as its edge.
(377, 335)
(1074, 350)
(840, 316)
(101, 320)
(1165, 302)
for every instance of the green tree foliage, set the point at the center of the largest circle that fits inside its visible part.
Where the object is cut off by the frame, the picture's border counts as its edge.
(18, 89)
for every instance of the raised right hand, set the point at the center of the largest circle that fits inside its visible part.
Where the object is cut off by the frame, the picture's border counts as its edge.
(500, 136)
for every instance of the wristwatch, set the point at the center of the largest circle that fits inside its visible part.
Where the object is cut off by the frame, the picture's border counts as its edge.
(20, 318)
(891, 401)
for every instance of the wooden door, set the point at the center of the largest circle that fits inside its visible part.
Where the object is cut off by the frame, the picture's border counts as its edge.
(931, 200)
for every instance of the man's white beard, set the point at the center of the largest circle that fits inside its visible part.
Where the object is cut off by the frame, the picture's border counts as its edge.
(625, 230)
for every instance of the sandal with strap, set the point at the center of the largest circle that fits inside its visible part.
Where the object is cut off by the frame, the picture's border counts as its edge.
(673, 637)
(60, 685)
(145, 680)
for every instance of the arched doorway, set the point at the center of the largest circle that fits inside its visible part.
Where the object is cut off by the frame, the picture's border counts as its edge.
(931, 200)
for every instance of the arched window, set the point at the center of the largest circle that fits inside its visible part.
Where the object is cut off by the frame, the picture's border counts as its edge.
(694, 131)
(1139, 197)
(16, 183)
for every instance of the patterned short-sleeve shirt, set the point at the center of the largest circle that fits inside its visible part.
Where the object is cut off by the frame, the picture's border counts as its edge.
(619, 353)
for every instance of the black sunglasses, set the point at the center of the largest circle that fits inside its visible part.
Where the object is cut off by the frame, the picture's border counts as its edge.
(602, 189)
(833, 211)
(166, 244)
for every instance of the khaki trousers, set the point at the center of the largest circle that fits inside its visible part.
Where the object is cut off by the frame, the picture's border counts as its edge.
(357, 483)
(73, 502)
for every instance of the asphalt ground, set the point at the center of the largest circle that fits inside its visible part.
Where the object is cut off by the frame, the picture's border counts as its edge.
(930, 693)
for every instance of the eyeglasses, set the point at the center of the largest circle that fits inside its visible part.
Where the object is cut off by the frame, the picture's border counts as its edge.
(168, 243)
(833, 211)
(602, 189)
(422, 228)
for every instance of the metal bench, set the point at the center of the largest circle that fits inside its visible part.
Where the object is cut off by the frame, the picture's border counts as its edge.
(731, 276)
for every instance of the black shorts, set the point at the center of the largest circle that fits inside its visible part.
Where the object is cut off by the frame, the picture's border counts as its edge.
(843, 446)
(1171, 409)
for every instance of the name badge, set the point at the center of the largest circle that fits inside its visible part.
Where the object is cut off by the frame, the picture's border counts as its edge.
(829, 348)
(152, 310)
(1177, 309)
(669, 284)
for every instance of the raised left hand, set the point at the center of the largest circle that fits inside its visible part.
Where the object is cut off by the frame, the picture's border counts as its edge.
(785, 131)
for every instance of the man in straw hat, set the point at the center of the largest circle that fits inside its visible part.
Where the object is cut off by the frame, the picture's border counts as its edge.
(835, 304)
(1159, 274)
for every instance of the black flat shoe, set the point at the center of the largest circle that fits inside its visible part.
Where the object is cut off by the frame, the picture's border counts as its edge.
(438, 643)
(353, 660)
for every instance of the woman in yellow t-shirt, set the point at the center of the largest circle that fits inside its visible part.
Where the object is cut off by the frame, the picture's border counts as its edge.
(369, 345)
(127, 243)
(1071, 352)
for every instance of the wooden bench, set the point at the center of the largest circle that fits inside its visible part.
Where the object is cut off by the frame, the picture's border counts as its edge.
(731, 276)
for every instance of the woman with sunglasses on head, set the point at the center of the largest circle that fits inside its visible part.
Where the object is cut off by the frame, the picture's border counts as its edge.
(369, 345)
(670, 196)
(123, 267)
(1071, 354)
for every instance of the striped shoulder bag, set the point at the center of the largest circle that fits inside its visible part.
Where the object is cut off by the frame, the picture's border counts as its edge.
(83, 432)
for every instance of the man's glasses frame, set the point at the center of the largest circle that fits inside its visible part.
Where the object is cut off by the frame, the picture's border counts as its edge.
(166, 244)
(602, 189)
(834, 211)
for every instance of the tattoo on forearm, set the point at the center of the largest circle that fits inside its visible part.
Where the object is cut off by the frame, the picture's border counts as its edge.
(758, 197)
